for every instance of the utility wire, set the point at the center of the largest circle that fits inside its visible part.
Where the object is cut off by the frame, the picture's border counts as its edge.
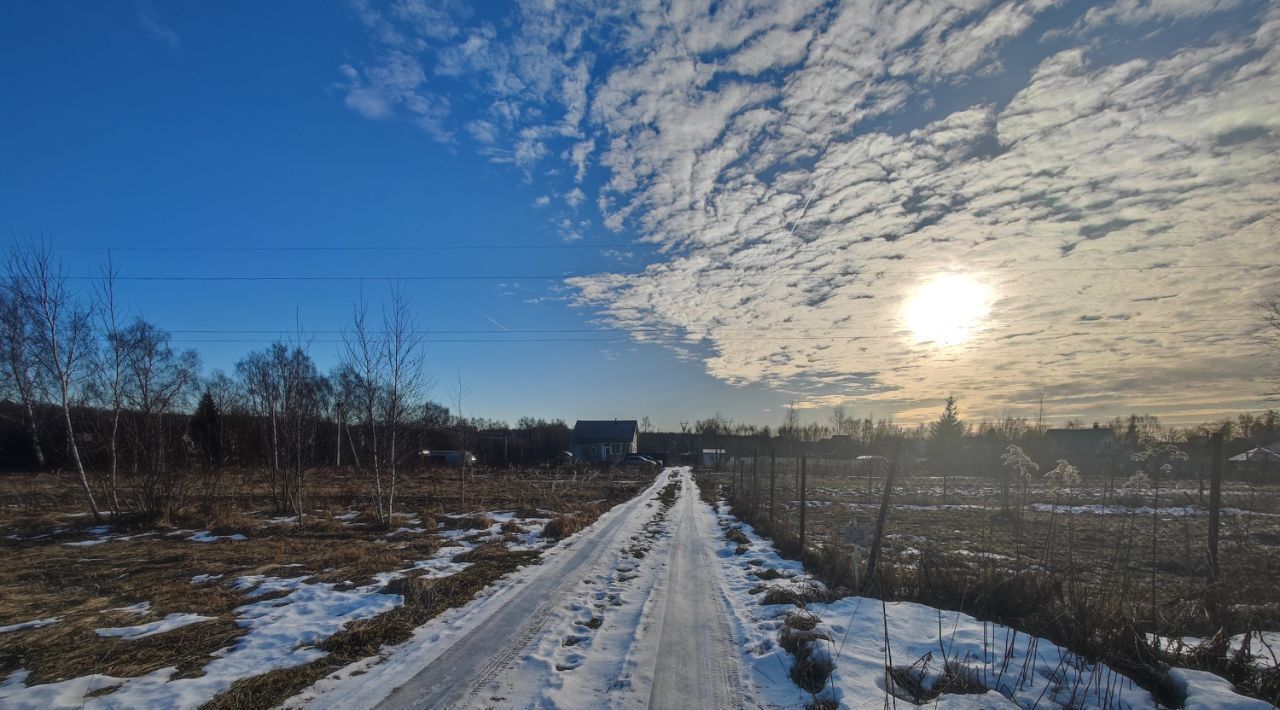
(574, 246)
(735, 273)
(702, 340)
(704, 328)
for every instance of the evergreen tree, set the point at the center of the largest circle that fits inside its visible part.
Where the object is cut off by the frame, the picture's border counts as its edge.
(206, 431)
(945, 436)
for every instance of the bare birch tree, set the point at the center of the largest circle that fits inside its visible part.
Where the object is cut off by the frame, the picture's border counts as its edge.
(60, 336)
(363, 371)
(109, 367)
(262, 389)
(402, 345)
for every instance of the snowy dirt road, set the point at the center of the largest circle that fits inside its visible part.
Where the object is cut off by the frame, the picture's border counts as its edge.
(633, 614)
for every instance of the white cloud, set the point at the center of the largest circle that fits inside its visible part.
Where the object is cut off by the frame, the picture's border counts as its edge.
(158, 31)
(779, 151)
(396, 85)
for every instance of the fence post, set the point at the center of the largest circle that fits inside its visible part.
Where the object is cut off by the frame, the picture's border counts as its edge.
(803, 504)
(773, 470)
(755, 483)
(873, 558)
(1215, 504)
(737, 485)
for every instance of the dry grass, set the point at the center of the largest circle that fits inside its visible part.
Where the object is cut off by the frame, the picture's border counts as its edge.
(42, 577)
(564, 525)
(812, 664)
(467, 522)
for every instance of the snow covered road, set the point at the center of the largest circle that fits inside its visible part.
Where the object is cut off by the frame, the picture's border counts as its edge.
(630, 613)
(696, 652)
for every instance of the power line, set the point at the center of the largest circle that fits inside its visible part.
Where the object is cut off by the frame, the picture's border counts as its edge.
(881, 335)
(258, 248)
(707, 330)
(741, 273)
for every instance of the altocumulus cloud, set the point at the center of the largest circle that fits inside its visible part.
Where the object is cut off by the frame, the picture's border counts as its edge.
(807, 166)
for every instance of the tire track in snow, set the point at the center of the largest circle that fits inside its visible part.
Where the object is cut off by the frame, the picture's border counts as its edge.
(684, 653)
(696, 649)
(458, 676)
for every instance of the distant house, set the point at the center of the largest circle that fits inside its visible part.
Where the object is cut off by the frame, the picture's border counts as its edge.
(713, 458)
(604, 440)
(1261, 459)
(1095, 451)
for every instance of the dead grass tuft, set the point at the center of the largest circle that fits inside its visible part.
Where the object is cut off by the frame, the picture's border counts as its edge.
(226, 521)
(467, 522)
(563, 526)
(486, 551)
(736, 535)
(913, 682)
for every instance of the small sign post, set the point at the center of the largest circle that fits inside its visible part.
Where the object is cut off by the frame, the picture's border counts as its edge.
(856, 537)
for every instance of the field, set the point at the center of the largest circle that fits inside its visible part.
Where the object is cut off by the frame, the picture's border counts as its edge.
(1091, 572)
(102, 602)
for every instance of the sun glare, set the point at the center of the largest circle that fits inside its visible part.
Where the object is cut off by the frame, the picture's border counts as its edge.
(946, 309)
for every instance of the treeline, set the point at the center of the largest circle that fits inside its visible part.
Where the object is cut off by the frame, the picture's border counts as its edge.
(110, 400)
(950, 445)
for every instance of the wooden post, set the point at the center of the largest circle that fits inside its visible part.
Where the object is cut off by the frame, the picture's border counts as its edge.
(873, 558)
(1215, 504)
(755, 483)
(737, 482)
(803, 503)
(773, 470)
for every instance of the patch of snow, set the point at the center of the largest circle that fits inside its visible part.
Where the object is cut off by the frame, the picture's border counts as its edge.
(205, 578)
(141, 609)
(1263, 645)
(206, 536)
(1173, 511)
(1206, 691)
(88, 543)
(141, 631)
(30, 624)
(282, 633)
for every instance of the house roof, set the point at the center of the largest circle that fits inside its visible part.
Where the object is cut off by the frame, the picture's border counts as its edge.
(1269, 453)
(587, 431)
(1095, 440)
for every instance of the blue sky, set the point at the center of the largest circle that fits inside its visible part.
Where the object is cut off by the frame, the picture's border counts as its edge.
(799, 172)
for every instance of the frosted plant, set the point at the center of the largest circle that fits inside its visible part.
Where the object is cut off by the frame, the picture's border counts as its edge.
(1064, 475)
(1157, 456)
(1155, 462)
(1018, 466)
(1139, 481)
(1019, 463)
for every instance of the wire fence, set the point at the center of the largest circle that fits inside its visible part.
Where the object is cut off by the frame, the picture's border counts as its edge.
(1130, 575)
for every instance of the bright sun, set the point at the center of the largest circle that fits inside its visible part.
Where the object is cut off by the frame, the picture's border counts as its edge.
(947, 308)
